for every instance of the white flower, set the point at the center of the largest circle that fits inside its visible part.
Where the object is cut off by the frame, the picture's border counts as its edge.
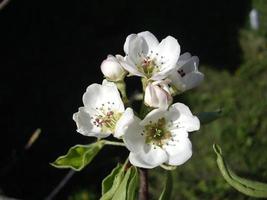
(186, 75)
(146, 57)
(112, 69)
(158, 95)
(161, 137)
(103, 112)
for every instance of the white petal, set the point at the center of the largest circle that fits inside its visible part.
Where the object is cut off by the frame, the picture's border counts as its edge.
(133, 138)
(190, 65)
(123, 123)
(85, 126)
(131, 68)
(191, 76)
(185, 56)
(126, 43)
(166, 55)
(150, 159)
(134, 160)
(153, 116)
(179, 152)
(150, 39)
(179, 133)
(187, 121)
(192, 80)
(96, 95)
(137, 48)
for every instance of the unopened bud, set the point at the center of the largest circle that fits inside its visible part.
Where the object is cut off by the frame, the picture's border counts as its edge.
(157, 95)
(112, 69)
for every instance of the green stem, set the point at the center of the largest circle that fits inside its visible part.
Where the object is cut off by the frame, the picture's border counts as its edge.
(122, 88)
(107, 142)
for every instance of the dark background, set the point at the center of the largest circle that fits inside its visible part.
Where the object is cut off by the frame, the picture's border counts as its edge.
(51, 51)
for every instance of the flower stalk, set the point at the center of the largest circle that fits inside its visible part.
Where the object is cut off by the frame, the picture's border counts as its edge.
(107, 142)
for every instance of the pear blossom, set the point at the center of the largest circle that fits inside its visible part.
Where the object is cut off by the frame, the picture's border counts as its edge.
(186, 75)
(161, 137)
(158, 95)
(146, 57)
(112, 69)
(103, 112)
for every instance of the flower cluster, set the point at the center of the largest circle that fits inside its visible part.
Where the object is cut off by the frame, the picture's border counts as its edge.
(161, 136)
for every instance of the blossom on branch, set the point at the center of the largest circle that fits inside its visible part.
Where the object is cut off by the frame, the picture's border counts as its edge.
(103, 112)
(186, 75)
(146, 57)
(161, 137)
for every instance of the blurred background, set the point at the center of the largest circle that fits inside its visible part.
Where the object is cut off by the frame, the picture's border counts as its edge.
(52, 50)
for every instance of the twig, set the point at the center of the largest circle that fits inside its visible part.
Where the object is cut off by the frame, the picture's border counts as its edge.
(33, 138)
(62, 183)
(143, 190)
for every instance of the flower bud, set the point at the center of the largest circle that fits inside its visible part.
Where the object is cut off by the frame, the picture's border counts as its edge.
(112, 69)
(157, 95)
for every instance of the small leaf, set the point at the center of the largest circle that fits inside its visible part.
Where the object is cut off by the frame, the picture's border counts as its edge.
(133, 183)
(166, 193)
(207, 117)
(243, 185)
(108, 181)
(78, 156)
(121, 193)
(115, 184)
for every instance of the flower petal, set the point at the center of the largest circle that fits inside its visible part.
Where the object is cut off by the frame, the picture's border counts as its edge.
(127, 41)
(131, 67)
(166, 55)
(184, 58)
(123, 123)
(96, 95)
(186, 120)
(85, 126)
(192, 80)
(150, 159)
(137, 49)
(150, 39)
(186, 76)
(179, 152)
(133, 136)
(153, 116)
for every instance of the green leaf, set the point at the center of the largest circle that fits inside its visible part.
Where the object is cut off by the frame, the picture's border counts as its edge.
(108, 181)
(121, 193)
(133, 183)
(243, 185)
(118, 178)
(78, 156)
(207, 117)
(166, 193)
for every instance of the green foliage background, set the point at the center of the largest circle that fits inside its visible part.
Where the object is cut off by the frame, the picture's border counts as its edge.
(241, 132)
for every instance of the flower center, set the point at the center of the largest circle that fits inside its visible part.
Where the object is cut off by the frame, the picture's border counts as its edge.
(148, 67)
(156, 133)
(106, 118)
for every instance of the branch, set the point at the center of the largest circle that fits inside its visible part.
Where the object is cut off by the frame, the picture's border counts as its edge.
(143, 190)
